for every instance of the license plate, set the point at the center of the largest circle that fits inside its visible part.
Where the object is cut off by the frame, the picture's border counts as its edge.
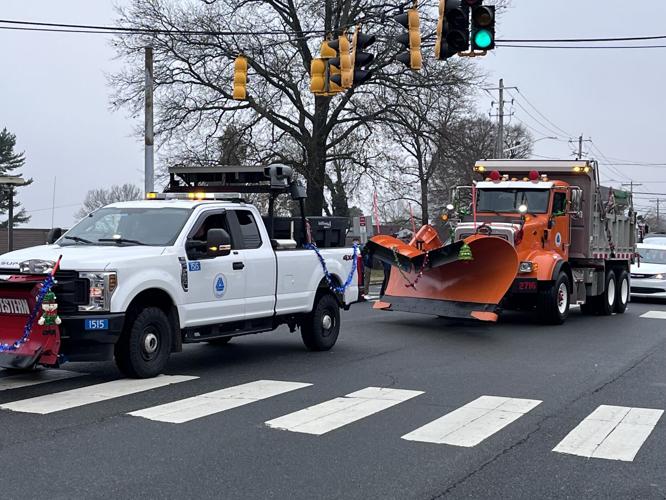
(97, 324)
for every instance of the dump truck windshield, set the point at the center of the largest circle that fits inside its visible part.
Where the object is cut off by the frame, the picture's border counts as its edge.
(134, 226)
(509, 200)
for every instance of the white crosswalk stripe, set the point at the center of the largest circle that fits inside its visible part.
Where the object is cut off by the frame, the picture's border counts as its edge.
(91, 394)
(330, 415)
(654, 315)
(469, 425)
(35, 378)
(611, 432)
(195, 407)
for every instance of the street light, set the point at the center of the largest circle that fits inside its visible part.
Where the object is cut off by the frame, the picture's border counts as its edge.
(11, 181)
(536, 140)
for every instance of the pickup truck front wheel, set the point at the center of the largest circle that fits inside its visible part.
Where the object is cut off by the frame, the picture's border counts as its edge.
(144, 347)
(321, 327)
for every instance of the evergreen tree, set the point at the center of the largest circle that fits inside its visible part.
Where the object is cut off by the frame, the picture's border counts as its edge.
(10, 162)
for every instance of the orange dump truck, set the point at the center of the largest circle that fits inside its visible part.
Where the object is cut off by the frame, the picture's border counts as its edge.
(533, 235)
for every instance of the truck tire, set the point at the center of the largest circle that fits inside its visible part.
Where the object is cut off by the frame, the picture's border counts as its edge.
(608, 299)
(553, 302)
(623, 291)
(144, 347)
(604, 304)
(321, 327)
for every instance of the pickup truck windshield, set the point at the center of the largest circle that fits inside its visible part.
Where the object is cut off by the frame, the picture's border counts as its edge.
(128, 226)
(508, 200)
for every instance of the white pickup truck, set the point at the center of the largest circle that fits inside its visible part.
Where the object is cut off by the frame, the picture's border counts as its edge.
(139, 279)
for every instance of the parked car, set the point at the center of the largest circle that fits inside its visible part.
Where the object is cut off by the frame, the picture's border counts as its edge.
(648, 275)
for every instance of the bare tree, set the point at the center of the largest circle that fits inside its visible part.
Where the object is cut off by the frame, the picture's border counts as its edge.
(97, 198)
(193, 75)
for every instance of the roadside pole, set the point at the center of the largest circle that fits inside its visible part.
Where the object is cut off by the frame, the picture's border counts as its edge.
(149, 165)
(10, 220)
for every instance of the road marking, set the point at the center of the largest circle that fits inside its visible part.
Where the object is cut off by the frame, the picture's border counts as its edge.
(91, 394)
(476, 421)
(35, 378)
(203, 405)
(611, 432)
(330, 415)
(654, 315)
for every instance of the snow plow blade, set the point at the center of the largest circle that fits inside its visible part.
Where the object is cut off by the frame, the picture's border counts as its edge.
(448, 286)
(18, 297)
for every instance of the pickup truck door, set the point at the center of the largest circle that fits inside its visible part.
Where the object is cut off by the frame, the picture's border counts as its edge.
(259, 263)
(217, 284)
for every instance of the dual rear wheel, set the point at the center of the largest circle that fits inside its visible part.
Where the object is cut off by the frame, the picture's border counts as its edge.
(615, 297)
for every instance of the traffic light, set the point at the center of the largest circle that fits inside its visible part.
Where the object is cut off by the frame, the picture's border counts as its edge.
(457, 18)
(318, 76)
(240, 78)
(483, 27)
(411, 57)
(342, 62)
(361, 59)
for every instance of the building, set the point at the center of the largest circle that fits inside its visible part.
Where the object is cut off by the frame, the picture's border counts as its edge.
(23, 238)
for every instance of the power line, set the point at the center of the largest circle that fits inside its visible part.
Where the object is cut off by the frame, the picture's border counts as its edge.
(585, 47)
(541, 114)
(578, 40)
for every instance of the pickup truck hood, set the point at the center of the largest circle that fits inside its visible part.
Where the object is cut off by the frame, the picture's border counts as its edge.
(80, 257)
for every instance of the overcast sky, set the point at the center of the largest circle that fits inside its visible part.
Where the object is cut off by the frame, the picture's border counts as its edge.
(54, 95)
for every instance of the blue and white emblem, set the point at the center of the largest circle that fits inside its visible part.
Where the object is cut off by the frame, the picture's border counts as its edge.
(194, 265)
(558, 240)
(220, 286)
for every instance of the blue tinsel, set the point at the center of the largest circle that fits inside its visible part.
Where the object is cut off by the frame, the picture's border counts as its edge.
(46, 285)
(329, 279)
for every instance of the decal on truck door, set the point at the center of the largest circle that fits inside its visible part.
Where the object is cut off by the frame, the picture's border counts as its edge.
(558, 240)
(220, 286)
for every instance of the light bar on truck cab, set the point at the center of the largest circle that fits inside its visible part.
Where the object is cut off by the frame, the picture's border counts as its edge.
(525, 166)
(195, 195)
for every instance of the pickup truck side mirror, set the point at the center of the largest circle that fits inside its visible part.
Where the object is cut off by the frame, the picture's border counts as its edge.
(218, 242)
(53, 235)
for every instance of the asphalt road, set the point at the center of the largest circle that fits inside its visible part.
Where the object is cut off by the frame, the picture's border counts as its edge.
(97, 450)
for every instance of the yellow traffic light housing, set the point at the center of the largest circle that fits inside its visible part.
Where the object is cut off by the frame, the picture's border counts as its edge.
(318, 76)
(342, 62)
(411, 40)
(240, 78)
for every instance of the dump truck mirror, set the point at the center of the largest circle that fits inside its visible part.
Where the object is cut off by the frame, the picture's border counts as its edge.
(576, 200)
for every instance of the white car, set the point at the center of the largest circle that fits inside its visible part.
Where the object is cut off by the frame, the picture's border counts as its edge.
(648, 275)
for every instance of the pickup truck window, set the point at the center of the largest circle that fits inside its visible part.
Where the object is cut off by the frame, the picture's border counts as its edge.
(249, 229)
(128, 226)
(199, 233)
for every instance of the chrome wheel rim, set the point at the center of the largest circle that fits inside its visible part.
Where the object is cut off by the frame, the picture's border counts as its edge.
(326, 322)
(611, 292)
(150, 344)
(562, 298)
(624, 291)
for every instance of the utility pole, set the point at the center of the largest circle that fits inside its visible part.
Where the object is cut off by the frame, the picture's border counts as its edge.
(500, 124)
(631, 190)
(149, 165)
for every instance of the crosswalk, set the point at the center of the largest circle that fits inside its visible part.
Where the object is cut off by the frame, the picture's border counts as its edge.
(609, 432)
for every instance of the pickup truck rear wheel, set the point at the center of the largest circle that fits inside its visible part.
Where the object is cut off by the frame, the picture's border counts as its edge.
(144, 347)
(554, 302)
(321, 327)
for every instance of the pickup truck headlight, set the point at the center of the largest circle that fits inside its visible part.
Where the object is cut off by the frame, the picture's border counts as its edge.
(102, 286)
(528, 267)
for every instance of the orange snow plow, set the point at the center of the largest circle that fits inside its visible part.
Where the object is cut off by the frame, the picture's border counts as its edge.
(466, 279)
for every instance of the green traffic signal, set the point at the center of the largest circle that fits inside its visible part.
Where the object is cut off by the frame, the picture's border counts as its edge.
(483, 39)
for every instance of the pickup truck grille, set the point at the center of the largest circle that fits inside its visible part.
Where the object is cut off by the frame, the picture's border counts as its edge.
(71, 290)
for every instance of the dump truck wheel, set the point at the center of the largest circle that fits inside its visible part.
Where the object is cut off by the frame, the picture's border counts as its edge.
(622, 292)
(144, 347)
(554, 302)
(321, 327)
(608, 299)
